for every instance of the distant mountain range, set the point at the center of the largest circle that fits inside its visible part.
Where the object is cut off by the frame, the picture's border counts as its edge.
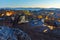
(30, 8)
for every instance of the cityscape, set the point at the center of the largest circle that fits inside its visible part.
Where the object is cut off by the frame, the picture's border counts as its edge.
(29, 19)
(33, 21)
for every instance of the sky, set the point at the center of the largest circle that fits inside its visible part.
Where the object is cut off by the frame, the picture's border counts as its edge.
(30, 3)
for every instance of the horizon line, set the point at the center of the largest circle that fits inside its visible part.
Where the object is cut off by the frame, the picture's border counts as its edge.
(29, 7)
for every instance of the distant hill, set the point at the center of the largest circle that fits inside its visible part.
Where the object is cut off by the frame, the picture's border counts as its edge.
(29, 8)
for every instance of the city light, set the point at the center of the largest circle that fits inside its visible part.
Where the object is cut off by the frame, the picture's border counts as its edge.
(40, 16)
(50, 27)
(9, 13)
(45, 30)
(46, 17)
(2, 14)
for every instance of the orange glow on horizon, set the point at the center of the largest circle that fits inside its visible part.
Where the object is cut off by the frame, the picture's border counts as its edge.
(42, 6)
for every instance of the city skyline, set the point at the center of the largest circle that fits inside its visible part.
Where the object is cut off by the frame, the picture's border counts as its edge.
(30, 3)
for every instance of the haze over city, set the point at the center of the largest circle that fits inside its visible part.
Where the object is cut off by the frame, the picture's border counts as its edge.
(30, 3)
